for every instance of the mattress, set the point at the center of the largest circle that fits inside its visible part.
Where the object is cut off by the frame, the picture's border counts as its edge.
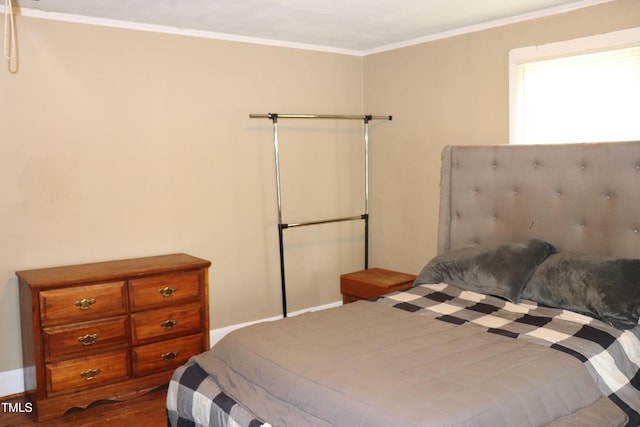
(431, 355)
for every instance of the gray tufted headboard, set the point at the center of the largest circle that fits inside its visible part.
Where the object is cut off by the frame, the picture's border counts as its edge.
(580, 197)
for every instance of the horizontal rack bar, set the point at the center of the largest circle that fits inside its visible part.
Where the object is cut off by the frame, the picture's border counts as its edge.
(319, 116)
(325, 221)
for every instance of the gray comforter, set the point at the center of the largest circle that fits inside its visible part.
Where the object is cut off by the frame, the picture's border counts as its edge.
(368, 364)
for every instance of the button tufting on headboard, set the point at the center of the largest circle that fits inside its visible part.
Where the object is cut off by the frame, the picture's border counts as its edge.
(586, 198)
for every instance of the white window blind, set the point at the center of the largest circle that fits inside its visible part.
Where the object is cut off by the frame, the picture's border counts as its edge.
(592, 97)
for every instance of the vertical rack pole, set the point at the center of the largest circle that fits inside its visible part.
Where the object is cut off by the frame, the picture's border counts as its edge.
(281, 226)
(366, 191)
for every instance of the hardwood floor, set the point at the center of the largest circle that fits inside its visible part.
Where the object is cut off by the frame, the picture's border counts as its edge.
(144, 411)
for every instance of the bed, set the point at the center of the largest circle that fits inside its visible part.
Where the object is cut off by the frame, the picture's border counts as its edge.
(527, 316)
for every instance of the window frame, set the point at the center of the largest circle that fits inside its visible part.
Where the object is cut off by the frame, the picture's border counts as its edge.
(517, 56)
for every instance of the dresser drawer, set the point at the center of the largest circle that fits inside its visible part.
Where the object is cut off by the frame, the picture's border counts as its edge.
(162, 290)
(165, 323)
(86, 337)
(165, 355)
(81, 303)
(87, 372)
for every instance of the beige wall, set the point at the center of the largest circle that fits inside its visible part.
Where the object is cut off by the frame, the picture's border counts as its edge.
(450, 91)
(119, 143)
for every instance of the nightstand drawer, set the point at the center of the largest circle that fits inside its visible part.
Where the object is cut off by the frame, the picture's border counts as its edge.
(85, 337)
(372, 283)
(87, 372)
(157, 291)
(80, 303)
(165, 323)
(165, 355)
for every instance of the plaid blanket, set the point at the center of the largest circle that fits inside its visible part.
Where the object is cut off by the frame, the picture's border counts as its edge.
(194, 399)
(612, 356)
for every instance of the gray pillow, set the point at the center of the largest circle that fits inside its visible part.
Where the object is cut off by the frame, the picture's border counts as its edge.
(501, 270)
(606, 288)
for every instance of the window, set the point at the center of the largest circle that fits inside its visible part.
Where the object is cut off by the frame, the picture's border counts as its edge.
(583, 90)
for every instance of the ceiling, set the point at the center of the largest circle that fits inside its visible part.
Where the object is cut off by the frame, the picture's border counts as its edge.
(348, 26)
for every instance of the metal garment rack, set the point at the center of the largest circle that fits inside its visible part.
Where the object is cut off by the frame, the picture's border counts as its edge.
(274, 117)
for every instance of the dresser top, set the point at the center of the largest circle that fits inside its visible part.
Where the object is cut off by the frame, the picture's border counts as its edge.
(110, 270)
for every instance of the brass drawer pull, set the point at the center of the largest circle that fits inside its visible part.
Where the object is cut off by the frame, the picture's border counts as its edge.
(85, 303)
(88, 339)
(169, 324)
(90, 374)
(171, 355)
(167, 291)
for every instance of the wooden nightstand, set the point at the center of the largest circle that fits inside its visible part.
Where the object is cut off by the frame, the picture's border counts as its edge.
(110, 330)
(372, 283)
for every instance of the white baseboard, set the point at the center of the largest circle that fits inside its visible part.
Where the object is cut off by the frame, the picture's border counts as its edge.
(12, 382)
(217, 334)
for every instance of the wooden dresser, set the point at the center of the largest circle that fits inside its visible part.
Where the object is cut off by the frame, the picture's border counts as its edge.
(110, 330)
